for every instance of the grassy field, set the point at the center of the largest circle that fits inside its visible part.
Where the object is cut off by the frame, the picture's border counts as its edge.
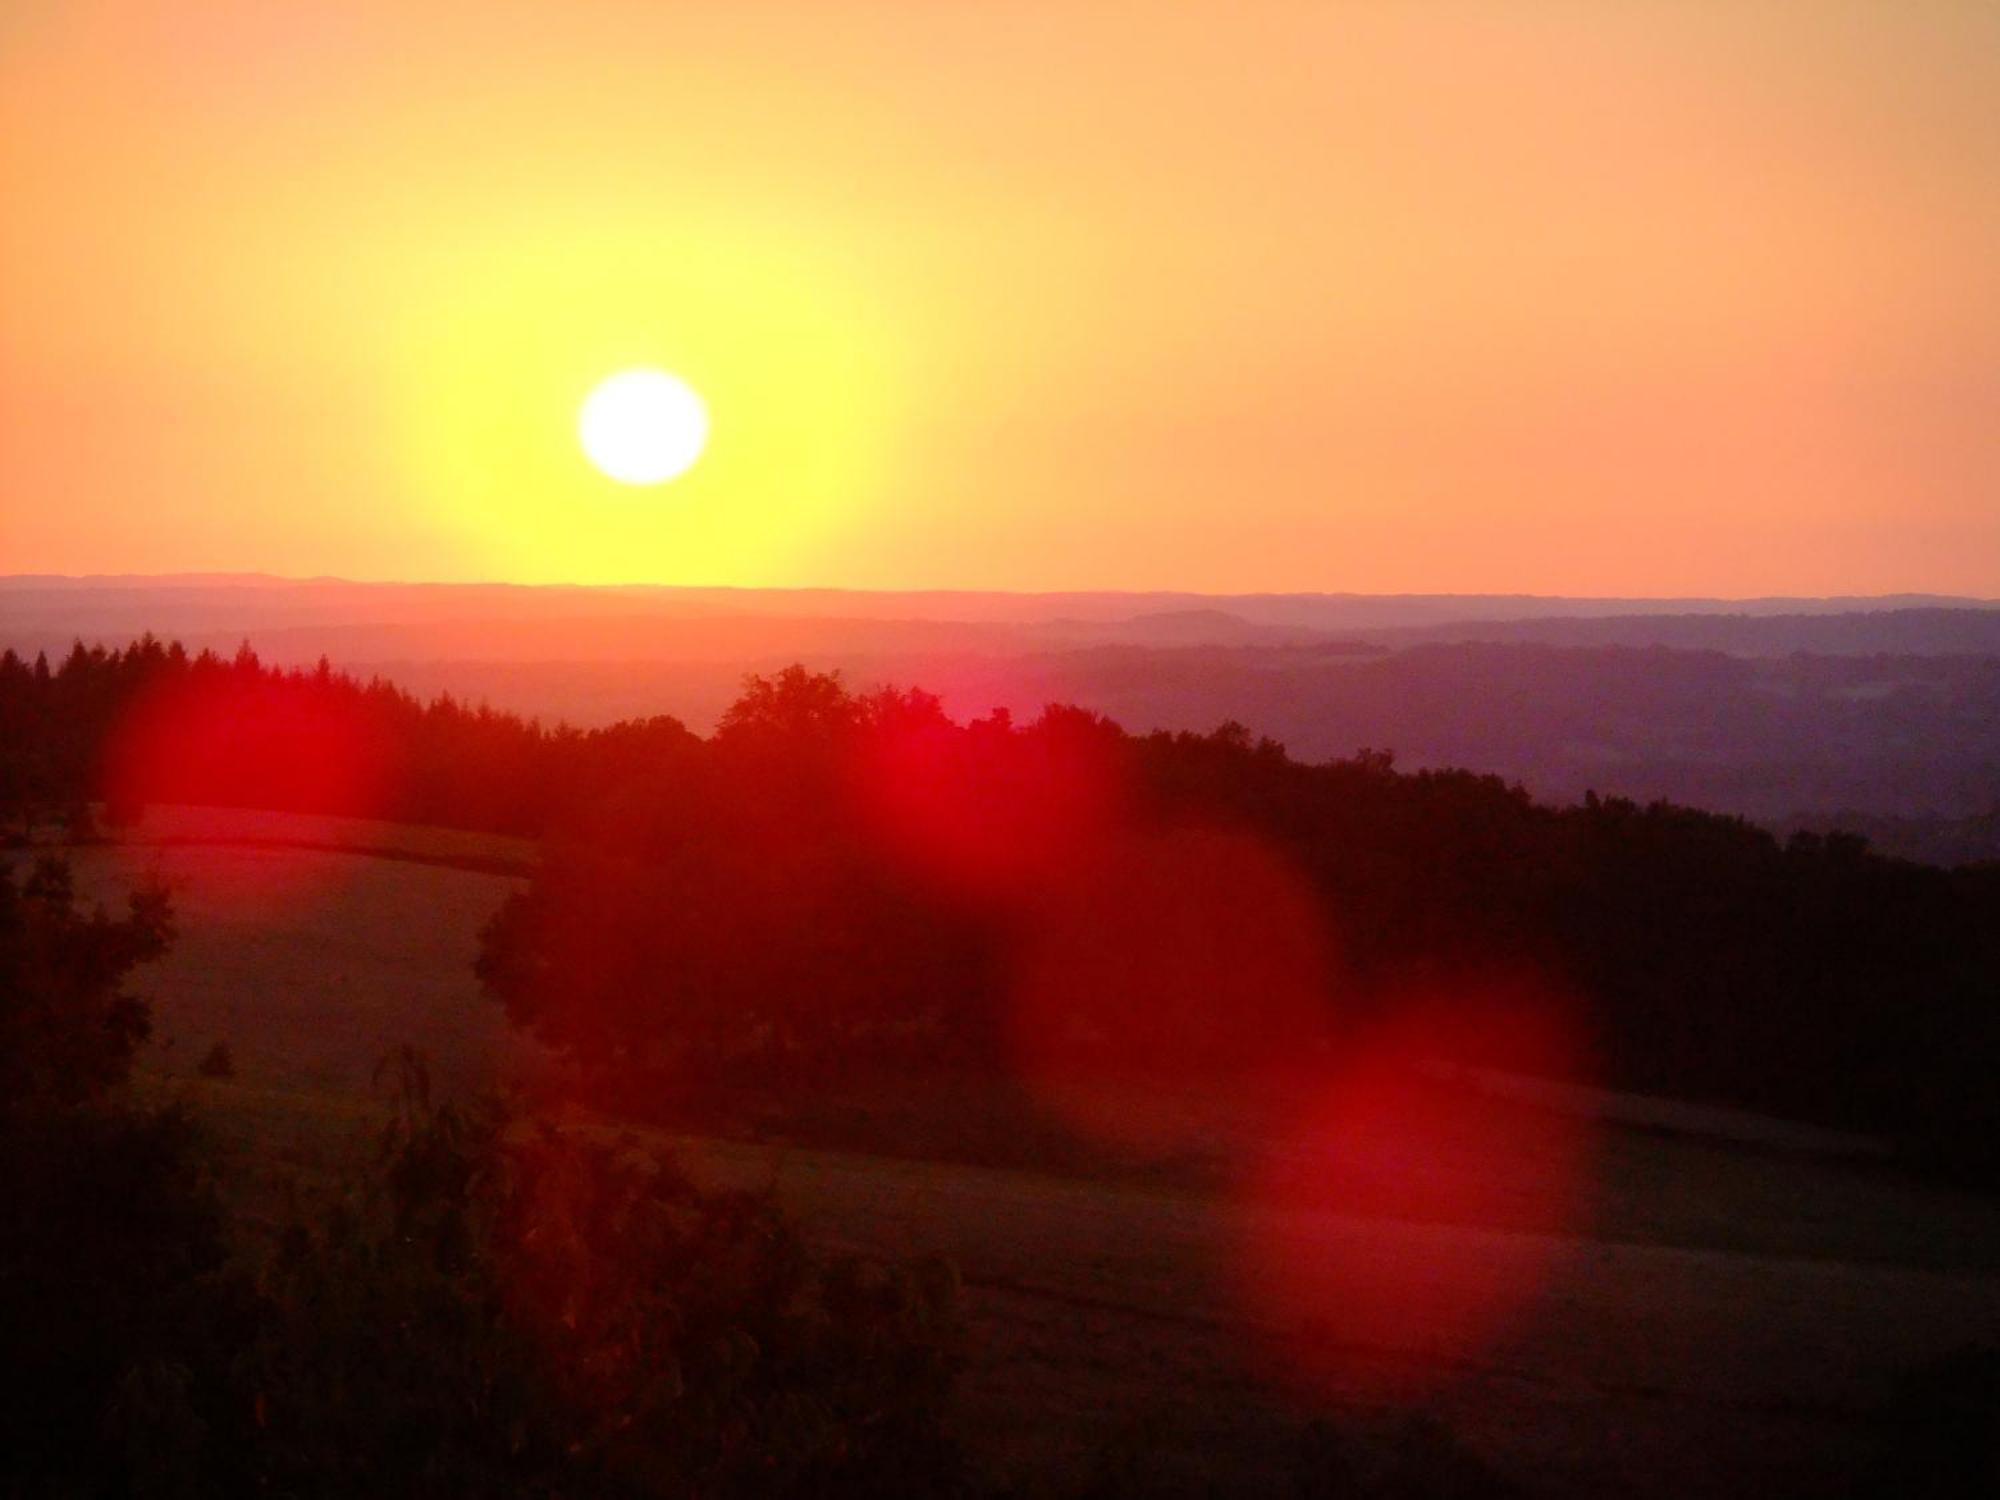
(1723, 1322)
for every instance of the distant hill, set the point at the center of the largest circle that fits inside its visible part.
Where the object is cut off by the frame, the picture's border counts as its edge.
(1879, 712)
(1966, 629)
(1915, 736)
(39, 609)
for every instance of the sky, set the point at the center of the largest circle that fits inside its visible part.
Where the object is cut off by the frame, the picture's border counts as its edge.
(1605, 297)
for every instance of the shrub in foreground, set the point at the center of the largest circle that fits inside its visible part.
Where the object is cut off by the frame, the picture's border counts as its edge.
(528, 1311)
(485, 1306)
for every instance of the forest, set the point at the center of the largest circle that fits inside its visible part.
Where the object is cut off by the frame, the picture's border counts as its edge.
(843, 883)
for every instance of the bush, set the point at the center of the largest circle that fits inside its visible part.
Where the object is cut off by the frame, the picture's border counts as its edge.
(487, 1309)
(67, 1029)
(522, 1310)
(114, 1290)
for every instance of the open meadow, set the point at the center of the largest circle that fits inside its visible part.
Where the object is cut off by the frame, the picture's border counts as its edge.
(1724, 1317)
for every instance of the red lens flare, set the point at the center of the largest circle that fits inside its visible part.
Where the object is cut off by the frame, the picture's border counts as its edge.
(989, 811)
(233, 738)
(1407, 1215)
(1166, 966)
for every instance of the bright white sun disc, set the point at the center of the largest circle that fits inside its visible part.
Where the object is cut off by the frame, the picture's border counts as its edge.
(643, 426)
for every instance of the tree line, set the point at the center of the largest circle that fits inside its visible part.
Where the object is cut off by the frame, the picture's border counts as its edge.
(837, 881)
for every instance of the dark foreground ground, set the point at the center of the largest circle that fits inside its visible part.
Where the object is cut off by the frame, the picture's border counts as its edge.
(1727, 1318)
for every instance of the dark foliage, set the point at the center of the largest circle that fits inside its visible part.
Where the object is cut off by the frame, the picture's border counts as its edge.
(67, 1029)
(115, 1304)
(488, 1307)
(112, 1241)
(767, 918)
(153, 724)
(742, 902)
(524, 1311)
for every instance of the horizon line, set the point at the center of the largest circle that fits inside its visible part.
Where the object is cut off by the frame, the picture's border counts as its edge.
(257, 578)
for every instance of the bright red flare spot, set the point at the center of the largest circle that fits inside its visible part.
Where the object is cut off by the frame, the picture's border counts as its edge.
(234, 738)
(1408, 1214)
(990, 811)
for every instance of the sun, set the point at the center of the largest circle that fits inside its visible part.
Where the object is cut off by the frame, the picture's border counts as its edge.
(643, 426)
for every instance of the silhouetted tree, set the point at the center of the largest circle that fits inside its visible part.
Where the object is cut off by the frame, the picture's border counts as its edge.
(1813, 977)
(67, 1028)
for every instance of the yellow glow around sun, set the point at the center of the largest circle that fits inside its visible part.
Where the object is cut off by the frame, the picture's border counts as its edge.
(491, 361)
(643, 426)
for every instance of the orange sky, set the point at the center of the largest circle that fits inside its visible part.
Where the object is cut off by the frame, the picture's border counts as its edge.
(1590, 297)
